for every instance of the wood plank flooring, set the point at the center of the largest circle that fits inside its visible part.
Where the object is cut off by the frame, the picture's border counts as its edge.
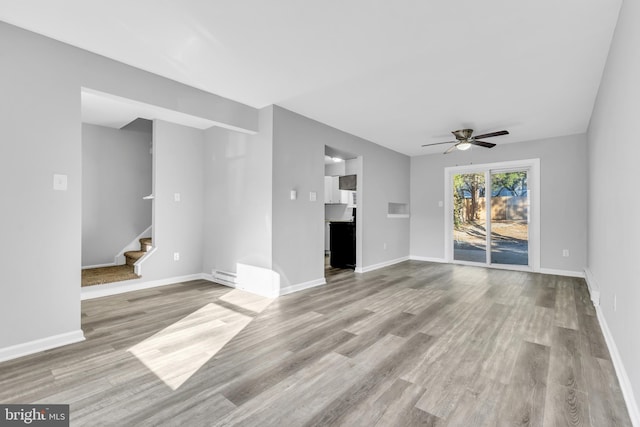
(416, 343)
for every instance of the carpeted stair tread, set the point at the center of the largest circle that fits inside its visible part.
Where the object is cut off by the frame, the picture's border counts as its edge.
(102, 275)
(145, 244)
(133, 256)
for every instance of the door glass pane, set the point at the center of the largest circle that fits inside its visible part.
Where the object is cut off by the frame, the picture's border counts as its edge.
(469, 217)
(509, 218)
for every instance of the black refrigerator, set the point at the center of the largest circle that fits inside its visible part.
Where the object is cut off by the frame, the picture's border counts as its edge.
(342, 244)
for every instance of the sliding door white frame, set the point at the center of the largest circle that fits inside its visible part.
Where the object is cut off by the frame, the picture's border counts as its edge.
(533, 186)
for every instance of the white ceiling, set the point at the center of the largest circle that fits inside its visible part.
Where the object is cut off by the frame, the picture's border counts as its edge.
(401, 73)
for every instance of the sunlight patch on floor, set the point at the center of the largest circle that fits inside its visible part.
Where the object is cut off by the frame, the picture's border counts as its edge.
(247, 300)
(177, 352)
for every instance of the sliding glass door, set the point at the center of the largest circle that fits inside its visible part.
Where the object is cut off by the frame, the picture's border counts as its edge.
(469, 230)
(490, 215)
(509, 218)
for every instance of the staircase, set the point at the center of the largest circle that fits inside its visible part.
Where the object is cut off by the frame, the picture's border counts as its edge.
(133, 256)
(116, 273)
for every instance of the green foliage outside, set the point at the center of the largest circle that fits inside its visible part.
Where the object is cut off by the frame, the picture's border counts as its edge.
(514, 182)
(472, 186)
(466, 186)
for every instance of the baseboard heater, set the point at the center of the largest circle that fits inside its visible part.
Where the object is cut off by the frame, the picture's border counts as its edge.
(225, 278)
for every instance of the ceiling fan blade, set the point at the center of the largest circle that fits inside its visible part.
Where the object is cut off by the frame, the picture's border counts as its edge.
(452, 148)
(482, 143)
(439, 143)
(489, 135)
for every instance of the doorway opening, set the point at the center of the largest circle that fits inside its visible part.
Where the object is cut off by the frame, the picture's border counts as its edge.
(117, 175)
(341, 186)
(492, 215)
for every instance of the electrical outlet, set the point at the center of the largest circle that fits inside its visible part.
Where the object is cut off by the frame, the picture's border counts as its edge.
(615, 302)
(384, 246)
(565, 252)
(176, 256)
(60, 182)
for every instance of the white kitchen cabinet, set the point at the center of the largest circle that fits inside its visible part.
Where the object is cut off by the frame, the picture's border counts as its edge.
(332, 192)
(351, 197)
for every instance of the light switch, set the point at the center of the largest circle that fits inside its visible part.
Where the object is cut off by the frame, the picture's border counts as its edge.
(60, 182)
(313, 196)
(176, 197)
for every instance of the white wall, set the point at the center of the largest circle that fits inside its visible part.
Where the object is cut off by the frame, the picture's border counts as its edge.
(613, 248)
(116, 175)
(563, 193)
(298, 226)
(40, 134)
(237, 197)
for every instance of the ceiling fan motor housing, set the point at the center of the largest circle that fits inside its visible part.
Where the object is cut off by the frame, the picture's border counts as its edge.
(462, 134)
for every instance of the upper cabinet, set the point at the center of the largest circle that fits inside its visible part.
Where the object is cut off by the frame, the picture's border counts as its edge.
(332, 192)
(334, 169)
(348, 182)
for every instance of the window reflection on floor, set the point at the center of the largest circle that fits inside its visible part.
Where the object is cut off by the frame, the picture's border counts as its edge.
(179, 350)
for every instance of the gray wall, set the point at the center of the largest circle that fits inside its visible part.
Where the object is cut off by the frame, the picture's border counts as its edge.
(116, 175)
(40, 135)
(177, 225)
(237, 197)
(613, 204)
(298, 226)
(563, 193)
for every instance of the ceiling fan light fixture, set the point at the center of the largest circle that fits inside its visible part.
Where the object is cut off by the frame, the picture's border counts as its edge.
(464, 140)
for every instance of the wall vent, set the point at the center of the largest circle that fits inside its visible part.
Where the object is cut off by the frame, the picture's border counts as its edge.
(225, 278)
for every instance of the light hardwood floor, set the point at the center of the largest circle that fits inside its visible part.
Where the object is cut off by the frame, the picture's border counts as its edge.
(412, 344)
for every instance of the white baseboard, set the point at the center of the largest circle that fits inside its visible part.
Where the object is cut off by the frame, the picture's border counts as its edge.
(35, 346)
(426, 258)
(621, 372)
(98, 291)
(109, 264)
(301, 286)
(592, 285)
(208, 277)
(381, 265)
(568, 273)
(283, 291)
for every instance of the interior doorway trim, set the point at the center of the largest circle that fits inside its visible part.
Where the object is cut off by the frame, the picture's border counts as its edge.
(534, 214)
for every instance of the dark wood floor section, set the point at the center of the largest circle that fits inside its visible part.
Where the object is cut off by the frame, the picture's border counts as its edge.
(413, 344)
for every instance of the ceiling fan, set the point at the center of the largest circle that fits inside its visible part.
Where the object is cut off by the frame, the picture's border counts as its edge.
(464, 140)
